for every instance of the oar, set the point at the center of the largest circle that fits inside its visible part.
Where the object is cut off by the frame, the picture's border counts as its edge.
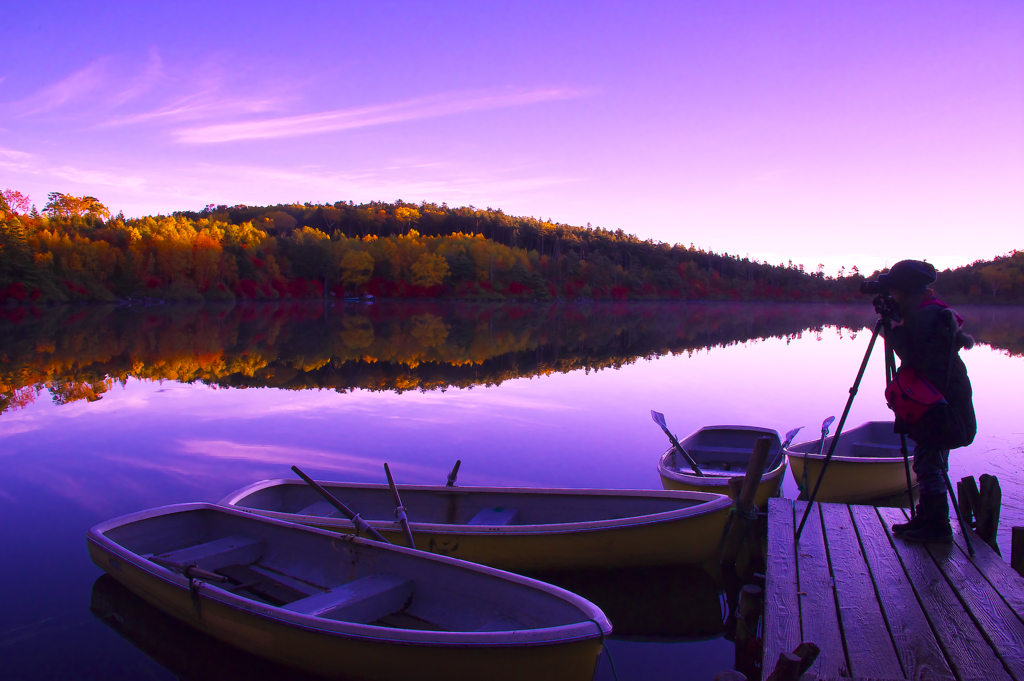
(825, 425)
(659, 418)
(399, 509)
(789, 439)
(360, 524)
(454, 474)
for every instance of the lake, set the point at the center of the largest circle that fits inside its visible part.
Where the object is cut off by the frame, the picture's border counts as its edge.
(108, 410)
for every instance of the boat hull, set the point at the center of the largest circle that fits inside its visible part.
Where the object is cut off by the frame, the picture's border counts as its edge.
(331, 654)
(689, 536)
(853, 481)
(867, 465)
(768, 487)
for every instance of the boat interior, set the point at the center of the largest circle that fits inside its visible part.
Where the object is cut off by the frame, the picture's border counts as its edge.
(872, 440)
(725, 452)
(460, 505)
(317, 575)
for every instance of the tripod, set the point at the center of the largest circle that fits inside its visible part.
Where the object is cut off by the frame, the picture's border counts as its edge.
(886, 309)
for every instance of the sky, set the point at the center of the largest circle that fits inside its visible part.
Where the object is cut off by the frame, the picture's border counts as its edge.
(842, 133)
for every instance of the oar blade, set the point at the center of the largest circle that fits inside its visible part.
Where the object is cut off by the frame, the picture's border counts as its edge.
(659, 418)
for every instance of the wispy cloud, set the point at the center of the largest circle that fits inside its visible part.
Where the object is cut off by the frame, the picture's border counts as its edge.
(77, 85)
(361, 117)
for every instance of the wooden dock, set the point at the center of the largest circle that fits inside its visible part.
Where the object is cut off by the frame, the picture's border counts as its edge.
(881, 608)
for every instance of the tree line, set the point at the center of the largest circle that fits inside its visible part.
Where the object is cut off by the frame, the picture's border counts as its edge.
(75, 250)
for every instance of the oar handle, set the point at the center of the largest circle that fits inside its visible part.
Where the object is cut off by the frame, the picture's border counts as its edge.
(361, 525)
(399, 509)
(454, 474)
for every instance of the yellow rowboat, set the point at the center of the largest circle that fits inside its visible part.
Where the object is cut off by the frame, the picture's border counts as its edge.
(866, 465)
(517, 529)
(344, 607)
(722, 452)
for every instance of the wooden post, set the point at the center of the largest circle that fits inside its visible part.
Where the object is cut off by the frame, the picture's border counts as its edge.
(748, 611)
(970, 490)
(791, 666)
(991, 499)
(1017, 550)
(745, 503)
(963, 500)
(787, 668)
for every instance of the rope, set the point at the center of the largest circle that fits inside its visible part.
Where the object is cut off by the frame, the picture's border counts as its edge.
(615, 674)
(749, 515)
(605, 647)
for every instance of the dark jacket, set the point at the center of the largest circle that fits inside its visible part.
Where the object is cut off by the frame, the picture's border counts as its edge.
(930, 342)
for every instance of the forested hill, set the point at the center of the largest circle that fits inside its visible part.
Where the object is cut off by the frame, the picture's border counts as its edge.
(75, 250)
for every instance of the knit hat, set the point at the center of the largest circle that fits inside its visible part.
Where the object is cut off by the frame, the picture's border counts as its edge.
(912, 276)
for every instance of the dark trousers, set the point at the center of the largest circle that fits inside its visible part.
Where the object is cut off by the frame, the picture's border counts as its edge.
(930, 466)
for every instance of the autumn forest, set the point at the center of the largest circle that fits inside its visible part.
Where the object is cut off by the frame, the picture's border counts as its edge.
(75, 250)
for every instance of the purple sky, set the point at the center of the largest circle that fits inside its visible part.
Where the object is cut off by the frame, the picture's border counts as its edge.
(841, 133)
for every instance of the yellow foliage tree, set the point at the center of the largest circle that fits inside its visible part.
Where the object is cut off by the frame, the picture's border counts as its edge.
(356, 268)
(430, 269)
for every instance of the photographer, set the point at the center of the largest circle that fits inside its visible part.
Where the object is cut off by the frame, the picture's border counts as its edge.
(927, 342)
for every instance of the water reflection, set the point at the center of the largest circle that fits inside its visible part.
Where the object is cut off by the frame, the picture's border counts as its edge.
(182, 650)
(77, 353)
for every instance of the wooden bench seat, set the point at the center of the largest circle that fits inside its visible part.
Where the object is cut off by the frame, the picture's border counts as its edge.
(361, 601)
(218, 553)
(495, 516)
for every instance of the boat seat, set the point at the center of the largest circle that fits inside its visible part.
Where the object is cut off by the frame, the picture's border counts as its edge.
(716, 453)
(320, 509)
(495, 516)
(218, 553)
(361, 601)
(875, 449)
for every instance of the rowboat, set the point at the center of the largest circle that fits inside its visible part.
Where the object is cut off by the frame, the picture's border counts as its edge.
(866, 465)
(722, 453)
(517, 529)
(345, 607)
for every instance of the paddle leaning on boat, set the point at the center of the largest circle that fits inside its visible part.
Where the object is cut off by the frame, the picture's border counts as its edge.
(706, 460)
(346, 607)
(518, 529)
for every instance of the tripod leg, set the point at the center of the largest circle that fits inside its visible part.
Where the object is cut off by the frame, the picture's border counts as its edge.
(959, 516)
(839, 430)
(906, 467)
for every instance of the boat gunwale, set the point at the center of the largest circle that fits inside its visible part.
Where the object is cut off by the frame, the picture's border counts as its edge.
(712, 479)
(814, 456)
(534, 637)
(709, 502)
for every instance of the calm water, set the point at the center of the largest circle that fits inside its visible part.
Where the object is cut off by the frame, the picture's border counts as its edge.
(100, 419)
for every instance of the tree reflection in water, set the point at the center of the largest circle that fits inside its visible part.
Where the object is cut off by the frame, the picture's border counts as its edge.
(77, 353)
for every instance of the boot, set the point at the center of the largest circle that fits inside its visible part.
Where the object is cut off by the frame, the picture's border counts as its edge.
(935, 525)
(914, 523)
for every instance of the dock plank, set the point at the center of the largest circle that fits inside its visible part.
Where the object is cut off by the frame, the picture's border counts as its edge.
(969, 654)
(819, 619)
(996, 621)
(917, 648)
(1003, 578)
(782, 605)
(868, 643)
